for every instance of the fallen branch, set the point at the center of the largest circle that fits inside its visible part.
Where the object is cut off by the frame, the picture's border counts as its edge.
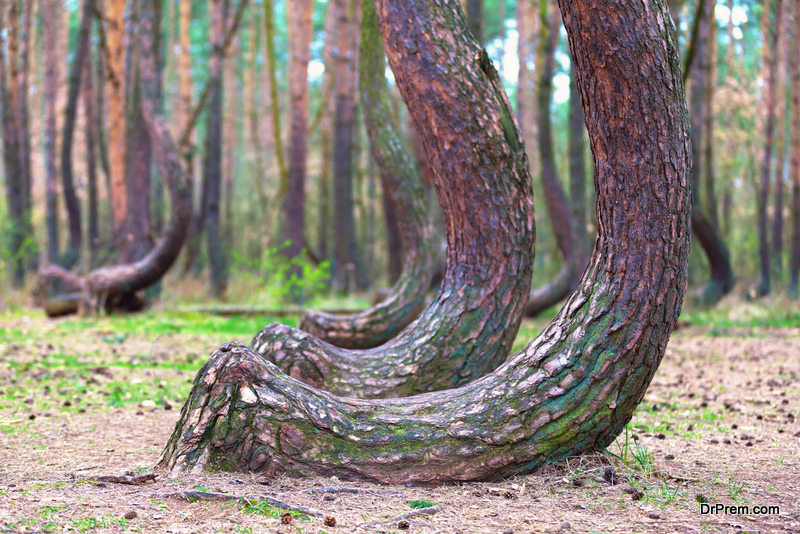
(408, 515)
(355, 491)
(135, 480)
(196, 495)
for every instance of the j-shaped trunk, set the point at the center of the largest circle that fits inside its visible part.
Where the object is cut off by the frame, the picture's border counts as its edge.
(576, 385)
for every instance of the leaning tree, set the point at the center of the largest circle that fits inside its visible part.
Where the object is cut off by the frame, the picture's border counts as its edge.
(103, 285)
(576, 385)
(484, 187)
(379, 324)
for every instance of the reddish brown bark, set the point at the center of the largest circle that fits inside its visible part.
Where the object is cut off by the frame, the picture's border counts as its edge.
(575, 386)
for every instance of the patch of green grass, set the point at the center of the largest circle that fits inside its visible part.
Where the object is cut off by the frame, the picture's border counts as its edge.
(420, 503)
(264, 508)
(85, 524)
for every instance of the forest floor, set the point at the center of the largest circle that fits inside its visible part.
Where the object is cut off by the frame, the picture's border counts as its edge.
(81, 399)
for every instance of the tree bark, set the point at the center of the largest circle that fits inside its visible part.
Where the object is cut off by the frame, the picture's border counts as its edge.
(102, 285)
(73, 252)
(383, 322)
(473, 147)
(298, 23)
(764, 286)
(345, 254)
(556, 204)
(794, 272)
(574, 387)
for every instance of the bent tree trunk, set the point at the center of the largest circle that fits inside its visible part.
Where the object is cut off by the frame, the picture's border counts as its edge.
(722, 279)
(105, 283)
(482, 179)
(556, 205)
(381, 323)
(576, 385)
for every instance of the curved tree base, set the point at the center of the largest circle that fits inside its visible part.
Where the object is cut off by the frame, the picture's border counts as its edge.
(577, 384)
(722, 278)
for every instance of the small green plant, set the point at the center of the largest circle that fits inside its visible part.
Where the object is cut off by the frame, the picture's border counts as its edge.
(734, 487)
(420, 503)
(244, 530)
(633, 456)
(269, 510)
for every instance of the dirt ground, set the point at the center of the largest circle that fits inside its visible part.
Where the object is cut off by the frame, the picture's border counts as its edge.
(719, 425)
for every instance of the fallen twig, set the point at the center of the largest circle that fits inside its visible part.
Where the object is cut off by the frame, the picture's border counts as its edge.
(124, 479)
(196, 495)
(408, 515)
(341, 489)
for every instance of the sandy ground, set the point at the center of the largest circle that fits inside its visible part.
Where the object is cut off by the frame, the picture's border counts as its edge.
(720, 423)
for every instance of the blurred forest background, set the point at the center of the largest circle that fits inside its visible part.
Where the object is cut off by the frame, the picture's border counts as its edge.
(81, 188)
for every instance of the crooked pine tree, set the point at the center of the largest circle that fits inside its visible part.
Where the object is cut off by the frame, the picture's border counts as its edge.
(381, 323)
(484, 187)
(106, 283)
(573, 387)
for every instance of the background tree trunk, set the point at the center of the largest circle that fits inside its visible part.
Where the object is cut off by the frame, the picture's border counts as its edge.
(794, 274)
(475, 19)
(115, 91)
(26, 177)
(383, 322)
(575, 386)
(15, 189)
(556, 204)
(722, 278)
(298, 23)
(73, 252)
(710, 64)
(51, 28)
(91, 161)
(345, 253)
(212, 168)
(763, 287)
(780, 153)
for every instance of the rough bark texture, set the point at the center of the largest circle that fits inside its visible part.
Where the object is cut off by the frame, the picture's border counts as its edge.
(298, 22)
(344, 232)
(103, 284)
(72, 254)
(381, 323)
(481, 177)
(556, 204)
(764, 285)
(577, 384)
(794, 272)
